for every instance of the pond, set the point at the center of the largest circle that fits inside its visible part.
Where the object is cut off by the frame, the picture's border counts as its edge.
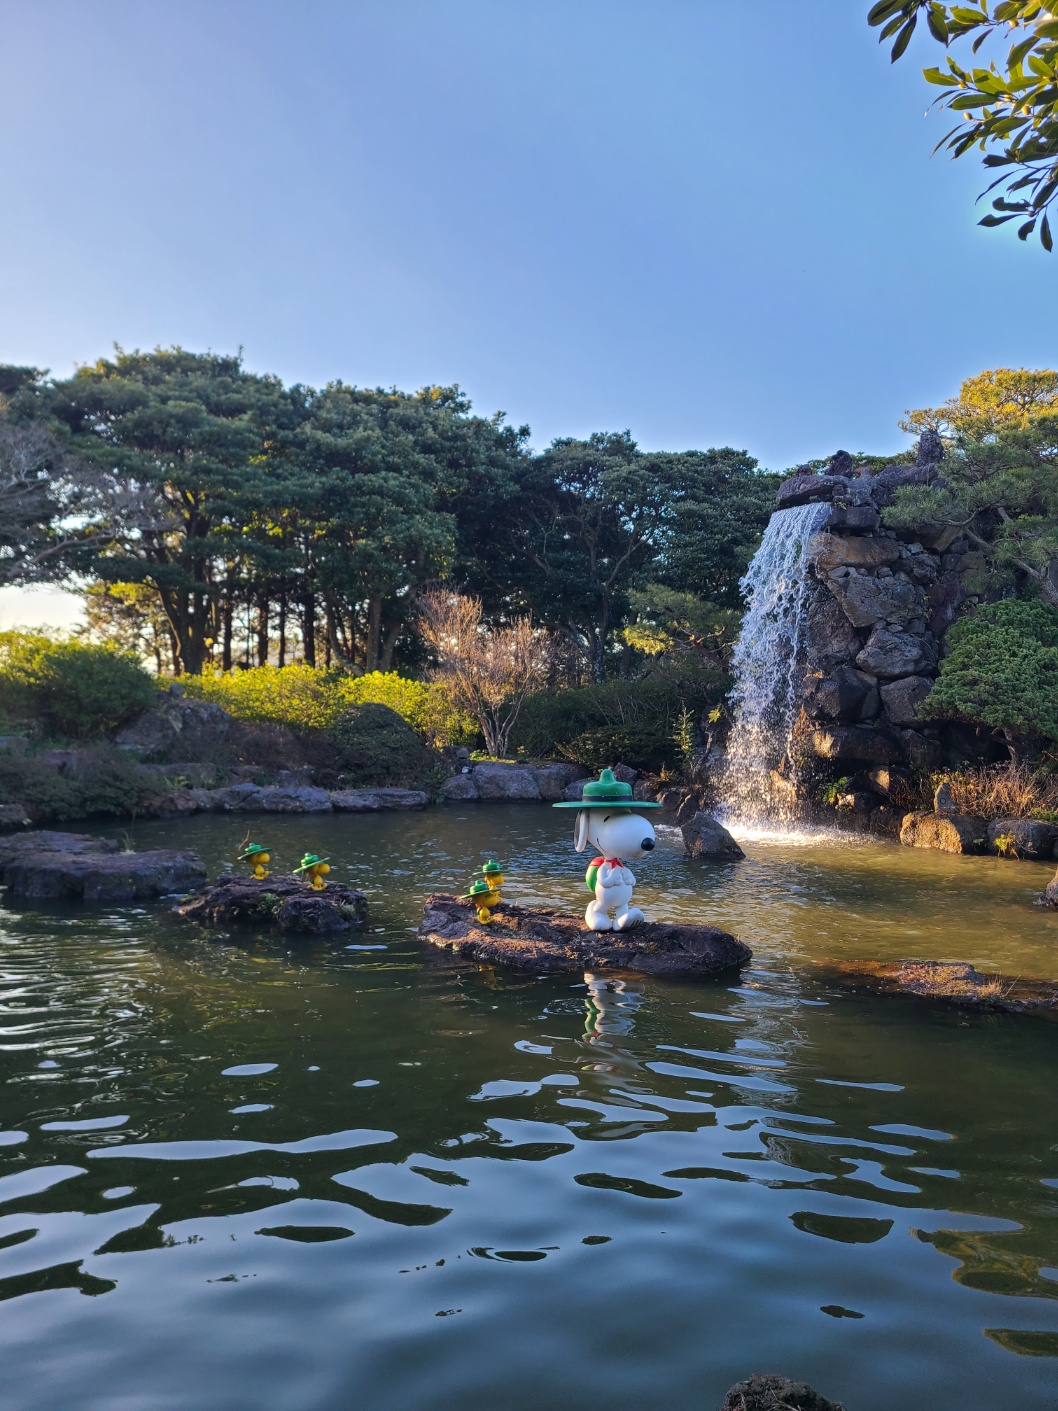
(241, 1174)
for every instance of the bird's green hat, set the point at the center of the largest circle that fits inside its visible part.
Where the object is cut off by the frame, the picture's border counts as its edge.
(310, 859)
(477, 889)
(252, 849)
(607, 792)
(491, 867)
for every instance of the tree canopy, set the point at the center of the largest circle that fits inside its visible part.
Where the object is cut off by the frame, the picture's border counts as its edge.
(1009, 109)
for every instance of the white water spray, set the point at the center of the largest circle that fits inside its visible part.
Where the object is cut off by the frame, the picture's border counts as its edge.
(758, 778)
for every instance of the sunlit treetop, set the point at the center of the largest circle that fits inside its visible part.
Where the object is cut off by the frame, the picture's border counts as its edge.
(1010, 109)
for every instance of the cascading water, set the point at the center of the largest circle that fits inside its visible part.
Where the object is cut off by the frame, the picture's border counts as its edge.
(768, 665)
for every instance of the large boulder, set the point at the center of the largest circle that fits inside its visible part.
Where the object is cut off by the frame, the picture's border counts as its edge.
(830, 638)
(179, 727)
(771, 1392)
(506, 783)
(923, 752)
(866, 601)
(705, 837)
(902, 698)
(809, 489)
(1026, 838)
(528, 938)
(70, 866)
(377, 800)
(283, 902)
(265, 798)
(891, 654)
(955, 982)
(944, 832)
(460, 788)
(827, 550)
(844, 694)
(553, 778)
(855, 517)
(857, 743)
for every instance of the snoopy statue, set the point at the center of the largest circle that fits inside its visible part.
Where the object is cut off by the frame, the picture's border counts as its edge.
(608, 818)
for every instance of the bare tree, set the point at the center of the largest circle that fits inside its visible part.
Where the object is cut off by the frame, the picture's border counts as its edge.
(53, 507)
(488, 672)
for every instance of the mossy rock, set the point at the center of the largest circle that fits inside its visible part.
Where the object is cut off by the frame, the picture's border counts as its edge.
(370, 746)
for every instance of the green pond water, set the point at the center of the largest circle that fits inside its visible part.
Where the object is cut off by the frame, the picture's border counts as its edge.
(242, 1175)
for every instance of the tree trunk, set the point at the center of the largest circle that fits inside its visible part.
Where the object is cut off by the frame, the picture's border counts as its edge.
(262, 630)
(282, 630)
(308, 629)
(374, 628)
(226, 612)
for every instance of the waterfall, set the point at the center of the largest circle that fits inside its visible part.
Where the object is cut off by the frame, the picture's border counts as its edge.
(756, 780)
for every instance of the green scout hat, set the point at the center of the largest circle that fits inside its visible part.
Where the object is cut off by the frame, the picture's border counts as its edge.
(252, 849)
(310, 859)
(492, 866)
(477, 889)
(607, 792)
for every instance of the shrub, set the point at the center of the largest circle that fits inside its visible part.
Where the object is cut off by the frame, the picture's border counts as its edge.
(1002, 671)
(77, 689)
(310, 698)
(371, 745)
(1014, 790)
(102, 782)
(653, 705)
(643, 747)
(423, 704)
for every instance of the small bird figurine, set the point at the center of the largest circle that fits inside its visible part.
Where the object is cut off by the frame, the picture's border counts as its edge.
(483, 898)
(255, 855)
(315, 869)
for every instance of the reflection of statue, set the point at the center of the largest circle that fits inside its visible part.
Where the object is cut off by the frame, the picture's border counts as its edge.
(611, 1009)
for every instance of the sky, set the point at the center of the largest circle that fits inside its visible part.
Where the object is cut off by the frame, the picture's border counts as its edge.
(708, 223)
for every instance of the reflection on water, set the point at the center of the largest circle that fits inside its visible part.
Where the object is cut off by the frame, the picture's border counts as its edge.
(239, 1175)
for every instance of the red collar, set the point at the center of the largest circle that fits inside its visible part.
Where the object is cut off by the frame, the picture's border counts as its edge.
(613, 861)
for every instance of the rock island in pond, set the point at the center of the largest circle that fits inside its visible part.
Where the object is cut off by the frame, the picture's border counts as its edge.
(530, 938)
(283, 902)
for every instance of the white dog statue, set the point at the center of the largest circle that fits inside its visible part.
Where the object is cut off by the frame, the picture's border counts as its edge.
(605, 818)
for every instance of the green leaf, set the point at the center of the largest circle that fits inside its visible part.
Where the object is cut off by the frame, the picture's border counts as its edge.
(882, 11)
(903, 39)
(994, 220)
(1026, 230)
(1045, 235)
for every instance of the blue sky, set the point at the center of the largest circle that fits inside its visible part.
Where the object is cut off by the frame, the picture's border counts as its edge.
(711, 223)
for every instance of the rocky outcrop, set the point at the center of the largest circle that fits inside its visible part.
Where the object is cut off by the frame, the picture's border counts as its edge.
(377, 800)
(902, 699)
(774, 1393)
(705, 837)
(857, 744)
(178, 726)
(949, 981)
(281, 902)
(544, 942)
(72, 866)
(1025, 838)
(944, 832)
(492, 782)
(890, 653)
(845, 694)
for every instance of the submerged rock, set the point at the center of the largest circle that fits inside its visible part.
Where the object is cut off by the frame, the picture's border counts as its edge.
(530, 938)
(774, 1393)
(953, 981)
(283, 902)
(74, 866)
(704, 837)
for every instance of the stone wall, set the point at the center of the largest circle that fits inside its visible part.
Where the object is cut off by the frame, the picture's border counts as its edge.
(882, 602)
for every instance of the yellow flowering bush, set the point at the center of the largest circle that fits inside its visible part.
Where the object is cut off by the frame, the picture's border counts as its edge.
(310, 698)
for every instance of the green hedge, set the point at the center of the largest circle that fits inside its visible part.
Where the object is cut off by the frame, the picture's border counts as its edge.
(631, 722)
(77, 690)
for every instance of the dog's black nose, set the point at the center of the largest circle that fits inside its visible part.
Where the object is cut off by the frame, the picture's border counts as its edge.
(647, 844)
